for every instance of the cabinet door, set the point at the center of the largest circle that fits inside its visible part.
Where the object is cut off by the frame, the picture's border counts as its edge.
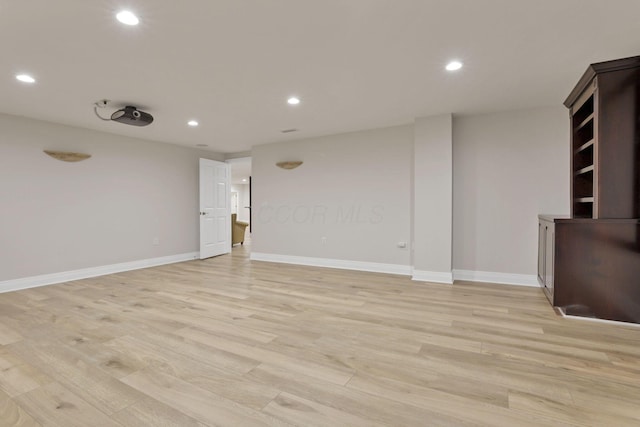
(542, 246)
(549, 256)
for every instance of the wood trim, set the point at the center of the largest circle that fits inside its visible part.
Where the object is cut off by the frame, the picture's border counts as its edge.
(578, 90)
(583, 97)
(599, 68)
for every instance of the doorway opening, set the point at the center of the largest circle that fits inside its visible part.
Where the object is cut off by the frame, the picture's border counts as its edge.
(241, 204)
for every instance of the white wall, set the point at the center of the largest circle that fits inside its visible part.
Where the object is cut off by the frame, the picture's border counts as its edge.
(508, 168)
(433, 194)
(58, 216)
(354, 190)
(349, 200)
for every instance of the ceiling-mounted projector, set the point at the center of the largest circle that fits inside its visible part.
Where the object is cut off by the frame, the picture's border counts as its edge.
(130, 115)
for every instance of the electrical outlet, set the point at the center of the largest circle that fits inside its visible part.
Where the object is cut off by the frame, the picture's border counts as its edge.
(156, 241)
(402, 245)
(323, 240)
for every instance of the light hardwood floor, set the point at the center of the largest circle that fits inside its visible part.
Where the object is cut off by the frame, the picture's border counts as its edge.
(231, 342)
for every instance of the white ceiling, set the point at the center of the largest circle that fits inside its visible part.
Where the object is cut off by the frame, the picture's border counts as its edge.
(356, 64)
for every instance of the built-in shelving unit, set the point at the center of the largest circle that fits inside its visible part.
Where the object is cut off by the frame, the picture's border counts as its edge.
(605, 141)
(589, 262)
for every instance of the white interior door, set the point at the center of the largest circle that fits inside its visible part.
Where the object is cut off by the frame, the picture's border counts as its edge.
(215, 212)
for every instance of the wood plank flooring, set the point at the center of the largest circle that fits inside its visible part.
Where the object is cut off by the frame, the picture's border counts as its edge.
(230, 342)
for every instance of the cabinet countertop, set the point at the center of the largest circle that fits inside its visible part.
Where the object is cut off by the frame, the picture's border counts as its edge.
(567, 218)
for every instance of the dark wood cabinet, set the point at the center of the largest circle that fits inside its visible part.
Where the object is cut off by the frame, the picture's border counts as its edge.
(598, 268)
(591, 267)
(589, 263)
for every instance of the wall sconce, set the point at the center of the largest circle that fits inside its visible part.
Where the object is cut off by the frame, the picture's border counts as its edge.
(288, 165)
(66, 156)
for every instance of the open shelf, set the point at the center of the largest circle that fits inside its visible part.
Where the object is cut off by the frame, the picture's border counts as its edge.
(585, 122)
(584, 146)
(583, 143)
(583, 159)
(583, 112)
(583, 210)
(584, 170)
(583, 135)
(583, 186)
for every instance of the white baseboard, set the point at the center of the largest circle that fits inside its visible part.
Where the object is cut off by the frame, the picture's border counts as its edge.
(432, 276)
(85, 273)
(405, 270)
(492, 277)
(333, 263)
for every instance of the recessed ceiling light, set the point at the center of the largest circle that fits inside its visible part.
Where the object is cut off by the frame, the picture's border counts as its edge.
(244, 179)
(293, 100)
(25, 78)
(127, 18)
(454, 66)
(192, 123)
